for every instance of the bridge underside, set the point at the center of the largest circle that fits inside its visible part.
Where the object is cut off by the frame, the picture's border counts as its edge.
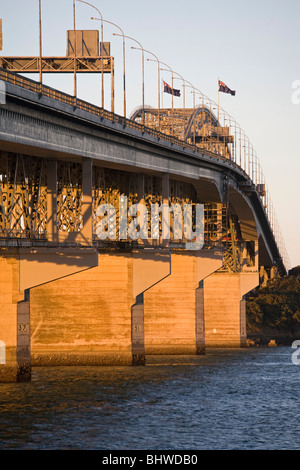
(142, 296)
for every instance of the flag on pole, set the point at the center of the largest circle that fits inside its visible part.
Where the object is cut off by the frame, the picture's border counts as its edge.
(170, 90)
(224, 88)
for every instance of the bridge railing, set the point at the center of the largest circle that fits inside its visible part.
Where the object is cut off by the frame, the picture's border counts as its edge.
(242, 155)
(45, 90)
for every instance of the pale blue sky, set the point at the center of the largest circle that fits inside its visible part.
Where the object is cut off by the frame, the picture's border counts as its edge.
(254, 47)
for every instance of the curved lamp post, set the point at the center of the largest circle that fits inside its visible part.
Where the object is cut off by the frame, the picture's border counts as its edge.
(172, 72)
(180, 77)
(158, 82)
(194, 106)
(123, 35)
(143, 70)
(183, 85)
(102, 77)
(40, 42)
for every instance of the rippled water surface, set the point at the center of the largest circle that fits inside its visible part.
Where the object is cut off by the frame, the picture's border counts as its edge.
(227, 399)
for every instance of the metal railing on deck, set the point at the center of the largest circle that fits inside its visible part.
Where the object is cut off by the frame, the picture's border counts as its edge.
(70, 100)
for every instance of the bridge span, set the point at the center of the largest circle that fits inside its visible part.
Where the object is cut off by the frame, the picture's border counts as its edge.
(77, 291)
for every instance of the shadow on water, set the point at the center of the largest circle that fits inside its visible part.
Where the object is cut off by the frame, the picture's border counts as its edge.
(226, 399)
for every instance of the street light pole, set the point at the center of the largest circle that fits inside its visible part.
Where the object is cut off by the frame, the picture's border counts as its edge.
(74, 26)
(172, 95)
(190, 85)
(102, 77)
(198, 92)
(40, 40)
(183, 85)
(123, 35)
(158, 78)
(143, 71)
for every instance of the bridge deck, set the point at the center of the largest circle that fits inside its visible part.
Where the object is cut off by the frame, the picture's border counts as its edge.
(176, 155)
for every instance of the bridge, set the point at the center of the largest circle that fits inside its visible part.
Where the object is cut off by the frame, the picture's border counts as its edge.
(85, 279)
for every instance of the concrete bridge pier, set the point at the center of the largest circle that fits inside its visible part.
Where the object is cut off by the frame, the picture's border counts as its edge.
(148, 270)
(225, 310)
(21, 269)
(15, 360)
(95, 317)
(137, 332)
(174, 308)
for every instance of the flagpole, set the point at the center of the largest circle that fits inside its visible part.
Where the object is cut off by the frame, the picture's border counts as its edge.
(159, 98)
(172, 96)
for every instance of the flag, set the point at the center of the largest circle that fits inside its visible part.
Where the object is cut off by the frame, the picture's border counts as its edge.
(224, 88)
(170, 90)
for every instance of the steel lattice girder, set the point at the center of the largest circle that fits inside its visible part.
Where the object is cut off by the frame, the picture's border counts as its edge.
(57, 64)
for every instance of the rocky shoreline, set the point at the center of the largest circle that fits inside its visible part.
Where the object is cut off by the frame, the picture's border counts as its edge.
(271, 337)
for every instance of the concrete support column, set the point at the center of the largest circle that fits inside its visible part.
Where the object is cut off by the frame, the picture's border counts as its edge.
(148, 270)
(165, 188)
(243, 322)
(165, 202)
(95, 317)
(23, 340)
(141, 189)
(87, 200)
(137, 310)
(20, 270)
(225, 310)
(15, 362)
(52, 232)
(137, 332)
(199, 319)
(174, 307)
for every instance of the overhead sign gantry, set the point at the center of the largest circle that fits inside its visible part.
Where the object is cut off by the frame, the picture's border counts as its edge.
(84, 55)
